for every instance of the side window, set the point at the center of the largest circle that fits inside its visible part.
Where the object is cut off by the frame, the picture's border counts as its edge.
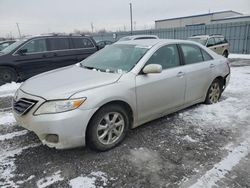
(82, 43)
(206, 56)
(36, 45)
(217, 41)
(59, 43)
(210, 42)
(166, 56)
(192, 54)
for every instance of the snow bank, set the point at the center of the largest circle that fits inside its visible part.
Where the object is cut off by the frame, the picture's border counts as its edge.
(9, 89)
(239, 56)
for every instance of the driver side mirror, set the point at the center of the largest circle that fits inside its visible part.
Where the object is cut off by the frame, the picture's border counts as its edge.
(152, 69)
(22, 51)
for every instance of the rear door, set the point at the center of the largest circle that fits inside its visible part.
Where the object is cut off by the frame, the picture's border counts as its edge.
(35, 60)
(83, 47)
(61, 52)
(159, 93)
(211, 44)
(198, 70)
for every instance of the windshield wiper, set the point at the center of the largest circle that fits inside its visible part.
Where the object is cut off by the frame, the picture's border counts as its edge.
(94, 68)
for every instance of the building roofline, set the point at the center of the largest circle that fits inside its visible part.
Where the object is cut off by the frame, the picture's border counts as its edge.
(231, 18)
(199, 15)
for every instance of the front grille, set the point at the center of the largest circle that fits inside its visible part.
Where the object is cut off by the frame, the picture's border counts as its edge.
(23, 106)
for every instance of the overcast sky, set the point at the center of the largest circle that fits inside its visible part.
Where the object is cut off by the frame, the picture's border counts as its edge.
(45, 16)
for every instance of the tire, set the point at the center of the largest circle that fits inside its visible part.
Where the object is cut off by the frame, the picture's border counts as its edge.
(225, 54)
(7, 75)
(107, 128)
(214, 92)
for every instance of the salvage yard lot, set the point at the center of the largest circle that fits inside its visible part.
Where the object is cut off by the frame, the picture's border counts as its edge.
(201, 146)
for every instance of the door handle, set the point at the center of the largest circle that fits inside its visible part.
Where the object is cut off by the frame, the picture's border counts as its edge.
(212, 65)
(55, 54)
(180, 74)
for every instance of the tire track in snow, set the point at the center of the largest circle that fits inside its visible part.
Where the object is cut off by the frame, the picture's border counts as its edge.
(220, 169)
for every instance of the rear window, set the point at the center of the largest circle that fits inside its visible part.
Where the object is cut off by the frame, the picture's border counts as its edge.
(192, 54)
(82, 43)
(59, 43)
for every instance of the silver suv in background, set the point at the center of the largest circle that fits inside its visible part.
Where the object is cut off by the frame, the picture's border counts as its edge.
(120, 87)
(138, 37)
(217, 43)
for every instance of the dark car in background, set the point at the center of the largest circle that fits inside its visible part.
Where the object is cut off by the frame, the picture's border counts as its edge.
(5, 44)
(31, 56)
(103, 43)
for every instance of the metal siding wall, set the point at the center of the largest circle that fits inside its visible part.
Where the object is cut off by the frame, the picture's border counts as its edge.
(237, 33)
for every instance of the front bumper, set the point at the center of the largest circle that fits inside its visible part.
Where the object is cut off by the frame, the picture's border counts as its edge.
(70, 127)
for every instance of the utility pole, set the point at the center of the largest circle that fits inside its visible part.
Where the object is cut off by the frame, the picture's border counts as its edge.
(131, 18)
(92, 27)
(18, 30)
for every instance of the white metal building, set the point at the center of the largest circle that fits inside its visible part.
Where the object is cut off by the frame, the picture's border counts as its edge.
(202, 19)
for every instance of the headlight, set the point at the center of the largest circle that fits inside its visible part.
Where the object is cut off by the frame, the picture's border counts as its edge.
(58, 106)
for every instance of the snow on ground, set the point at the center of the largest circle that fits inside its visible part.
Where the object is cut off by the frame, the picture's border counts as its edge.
(7, 118)
(89, 181)
(12, 135)
(220, 169)
(7, 165)
(9, 89)
(231, 112)
(233, 108)
(47, 181)
(239, 56)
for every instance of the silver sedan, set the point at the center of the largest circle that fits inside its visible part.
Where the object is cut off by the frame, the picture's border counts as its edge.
(125, 85)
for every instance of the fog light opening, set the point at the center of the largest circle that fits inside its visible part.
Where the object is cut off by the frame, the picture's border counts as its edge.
(52, 138)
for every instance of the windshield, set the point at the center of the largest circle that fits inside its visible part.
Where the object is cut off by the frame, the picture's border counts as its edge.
(13, 46)
(202, 41)
(118, 58)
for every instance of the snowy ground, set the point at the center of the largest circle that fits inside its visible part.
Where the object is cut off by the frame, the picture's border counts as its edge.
(202, 146)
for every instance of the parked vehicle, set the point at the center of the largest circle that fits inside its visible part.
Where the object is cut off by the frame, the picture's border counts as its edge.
(103, 43)
(31, 56)
(138, 37)
(217, 43)
(5, 44)
(120, 87)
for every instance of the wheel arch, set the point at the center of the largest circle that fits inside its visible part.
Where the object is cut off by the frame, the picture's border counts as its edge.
(122, 103)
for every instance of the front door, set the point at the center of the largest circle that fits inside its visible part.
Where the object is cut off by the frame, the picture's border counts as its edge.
(34, 59)
(161, 92)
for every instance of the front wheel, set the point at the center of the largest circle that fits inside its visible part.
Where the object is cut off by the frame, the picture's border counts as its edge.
(225, 54)
(214, 92)
(7, 75)
(107, 128)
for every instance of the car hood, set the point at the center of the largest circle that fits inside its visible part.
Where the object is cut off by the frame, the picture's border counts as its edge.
(63, 83)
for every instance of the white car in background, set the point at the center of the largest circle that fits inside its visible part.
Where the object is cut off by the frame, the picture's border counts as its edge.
(138, 37)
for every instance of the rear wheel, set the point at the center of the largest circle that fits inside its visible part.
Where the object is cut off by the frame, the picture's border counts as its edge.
(214, 92)
(107, 128)
(225, 54)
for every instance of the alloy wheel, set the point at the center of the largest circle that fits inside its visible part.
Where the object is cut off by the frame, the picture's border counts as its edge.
(110, 128)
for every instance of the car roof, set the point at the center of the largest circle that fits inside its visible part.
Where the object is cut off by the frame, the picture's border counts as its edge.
(205, 36)
(152, 42)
